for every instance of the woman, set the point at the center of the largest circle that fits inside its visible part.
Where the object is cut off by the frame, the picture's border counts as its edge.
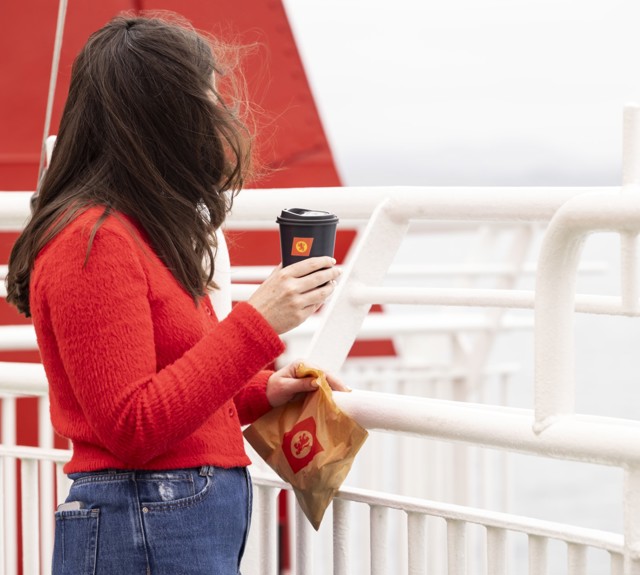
(114, 268)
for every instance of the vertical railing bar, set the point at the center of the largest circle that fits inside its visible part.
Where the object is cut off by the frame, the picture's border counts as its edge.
(304, 544)
(252, 560)
(63, 484)
(378, 537)
(341, 537)
(269, 531)
(617, 563)
(632, 519)
(252, 554)
(30, 509)
(456, 547)
(537, 555)
(416, 542)
(496, 551)
(45, 440)
(576, 559)
(10, 493)
(505, 469)
(629, 271)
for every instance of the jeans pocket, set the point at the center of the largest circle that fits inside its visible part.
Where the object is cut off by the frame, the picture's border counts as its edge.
(76, 542)
(167, 495)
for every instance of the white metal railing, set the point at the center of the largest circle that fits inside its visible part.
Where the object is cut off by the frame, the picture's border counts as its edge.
(550, 429)
(456, 520)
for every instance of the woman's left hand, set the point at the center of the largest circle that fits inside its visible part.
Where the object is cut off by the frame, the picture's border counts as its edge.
(283, 385)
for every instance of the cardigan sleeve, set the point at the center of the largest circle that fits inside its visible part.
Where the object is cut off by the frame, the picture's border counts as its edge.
(101, 318)
(251, 401)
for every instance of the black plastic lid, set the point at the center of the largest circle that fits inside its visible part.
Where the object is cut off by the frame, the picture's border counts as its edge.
(302, 215)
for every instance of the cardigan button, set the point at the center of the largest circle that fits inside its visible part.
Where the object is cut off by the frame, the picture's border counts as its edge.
(207, 310)
(231, 412)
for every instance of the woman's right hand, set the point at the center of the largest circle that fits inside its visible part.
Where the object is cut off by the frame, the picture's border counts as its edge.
(290, 295)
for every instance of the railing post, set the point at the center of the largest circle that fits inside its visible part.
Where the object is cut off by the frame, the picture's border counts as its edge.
(632, 520)
(630, 184)
(417, 543)
(372, 256)
(456, 547)
(304, 544)
(30, 510)
(554, 311)
(631, 146)
(9, 493)
(537, 555)
(47, 486)
(341, 537)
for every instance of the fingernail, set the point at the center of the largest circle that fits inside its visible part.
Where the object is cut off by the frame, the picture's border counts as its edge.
(349, 389)
(334, 261)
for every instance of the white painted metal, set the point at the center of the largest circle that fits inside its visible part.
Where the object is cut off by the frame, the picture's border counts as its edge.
(9, 493)
(617, 564)
(30, 523)
(550, 430)
(631, 146)
(341, 537)
(47, 486)
(496, 551)
(17, 337)
(632, 519)
(303, 558)
(577, 559)
(15, 209)
(372, 256)
(555, 289)
(241, 274)
(379, 540)
(262, 555)
(63, 484)
(456, 547)
(22, 378)
(463, 204)
(538, 555)
(417, 543)
(580, 438)
(221, 298)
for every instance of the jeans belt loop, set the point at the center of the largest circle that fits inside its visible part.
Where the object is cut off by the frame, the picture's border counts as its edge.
(206, 471)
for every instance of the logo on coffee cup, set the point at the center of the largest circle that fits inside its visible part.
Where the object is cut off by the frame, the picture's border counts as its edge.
(301, 246)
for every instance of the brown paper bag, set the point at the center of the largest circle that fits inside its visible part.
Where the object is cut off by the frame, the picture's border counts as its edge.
(310, 444)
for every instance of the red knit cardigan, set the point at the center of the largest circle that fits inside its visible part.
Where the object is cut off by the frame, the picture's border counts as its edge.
(139, 376)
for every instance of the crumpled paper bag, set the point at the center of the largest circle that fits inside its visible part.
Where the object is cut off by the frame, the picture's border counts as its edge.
(310, 443)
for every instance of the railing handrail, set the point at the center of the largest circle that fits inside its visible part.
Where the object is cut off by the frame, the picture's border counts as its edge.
(496, 204)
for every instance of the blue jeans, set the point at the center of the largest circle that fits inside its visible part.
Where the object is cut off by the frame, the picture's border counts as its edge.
(182, 521)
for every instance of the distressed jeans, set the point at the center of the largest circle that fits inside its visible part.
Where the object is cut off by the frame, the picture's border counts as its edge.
(177, 522)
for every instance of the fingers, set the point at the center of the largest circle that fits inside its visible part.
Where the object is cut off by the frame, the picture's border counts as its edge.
(319, 278)
(310, 265)
(289, 295)
(317, 296)
(335, 384)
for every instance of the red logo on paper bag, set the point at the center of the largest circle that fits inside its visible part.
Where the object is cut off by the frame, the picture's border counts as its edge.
(300, 444)
(301, 246)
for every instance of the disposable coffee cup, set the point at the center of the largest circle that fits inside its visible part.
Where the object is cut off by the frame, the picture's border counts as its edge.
(306, 234)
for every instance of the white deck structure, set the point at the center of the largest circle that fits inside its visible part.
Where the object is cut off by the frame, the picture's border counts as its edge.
(412, 505)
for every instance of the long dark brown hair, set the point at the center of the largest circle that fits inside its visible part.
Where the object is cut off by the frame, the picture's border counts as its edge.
(144, 132)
